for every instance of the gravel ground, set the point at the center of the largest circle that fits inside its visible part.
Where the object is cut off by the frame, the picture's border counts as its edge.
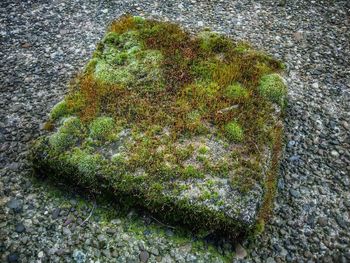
(44, 43)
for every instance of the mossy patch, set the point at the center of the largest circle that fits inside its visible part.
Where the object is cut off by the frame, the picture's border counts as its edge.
(182, 125)
(67, 135)
(236, 91)
(102, 128)
(59, 110)
(273, 88)
(234, 131)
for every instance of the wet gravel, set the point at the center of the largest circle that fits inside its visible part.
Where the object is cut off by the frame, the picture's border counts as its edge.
(44, 43)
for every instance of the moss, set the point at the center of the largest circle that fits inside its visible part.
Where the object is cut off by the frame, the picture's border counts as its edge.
(206, 195)
(138, 19)
(102, 128)
(49, 126)
(211, 41)
(242, 47)
(236, 91)
(86, 163)
(234, 131)
(192, 172)
(273, 88)
(137, 67)
(203, 150)
(59, 110)
(67, 135)
(112, 38)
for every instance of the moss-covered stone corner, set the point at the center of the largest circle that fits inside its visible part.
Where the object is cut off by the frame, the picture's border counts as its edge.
(67, 135)
(185, 126)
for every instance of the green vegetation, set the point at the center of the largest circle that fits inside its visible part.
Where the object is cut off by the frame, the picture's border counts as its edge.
(59, 110)
(203, 149)
(67, 135)
(236, 91)
(273, 88)
(234, 131)
(166, 120)
(87, 163)
(102, 128)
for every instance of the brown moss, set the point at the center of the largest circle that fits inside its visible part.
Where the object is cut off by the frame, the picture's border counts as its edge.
(49, 126)
(271, 179)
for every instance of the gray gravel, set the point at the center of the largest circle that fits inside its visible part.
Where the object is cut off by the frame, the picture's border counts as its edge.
(42, 45)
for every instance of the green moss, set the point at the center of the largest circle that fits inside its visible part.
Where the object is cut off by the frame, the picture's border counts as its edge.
(111, 38)
(138, 19)
(59, 110)
(203, 150)
(67, 135)
(183, 154)
(204, 69)
(206, 195)
(234, 131)
(236, 91)
(102, 128)
(260, 227)
(211, 41)
(273, 88)
(87, 164)
(123, 61)
(191, 172)
(242, 47)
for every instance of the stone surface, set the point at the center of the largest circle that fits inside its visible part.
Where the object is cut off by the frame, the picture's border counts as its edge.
(240, 251)
(20, 228)
(144, 256)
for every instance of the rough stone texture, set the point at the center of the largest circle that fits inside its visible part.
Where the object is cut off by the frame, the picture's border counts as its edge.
(44, 44)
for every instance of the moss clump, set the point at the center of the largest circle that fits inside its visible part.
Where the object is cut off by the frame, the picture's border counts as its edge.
(273, 88)
(102, 128)
(87, 163)
(67, 135)
(203, 150)
(122, 60)
(147, 108)
(236, 91)
(59, 110)
(234, 131)
(192, 172)
(214, 42)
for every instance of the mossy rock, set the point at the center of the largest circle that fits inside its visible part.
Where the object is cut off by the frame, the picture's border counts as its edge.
(185, 126)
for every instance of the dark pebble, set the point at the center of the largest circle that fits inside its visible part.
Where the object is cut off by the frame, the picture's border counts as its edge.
(20, 228)
(13, 257)
(15, 205)
(295, 193)
(56, 213)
